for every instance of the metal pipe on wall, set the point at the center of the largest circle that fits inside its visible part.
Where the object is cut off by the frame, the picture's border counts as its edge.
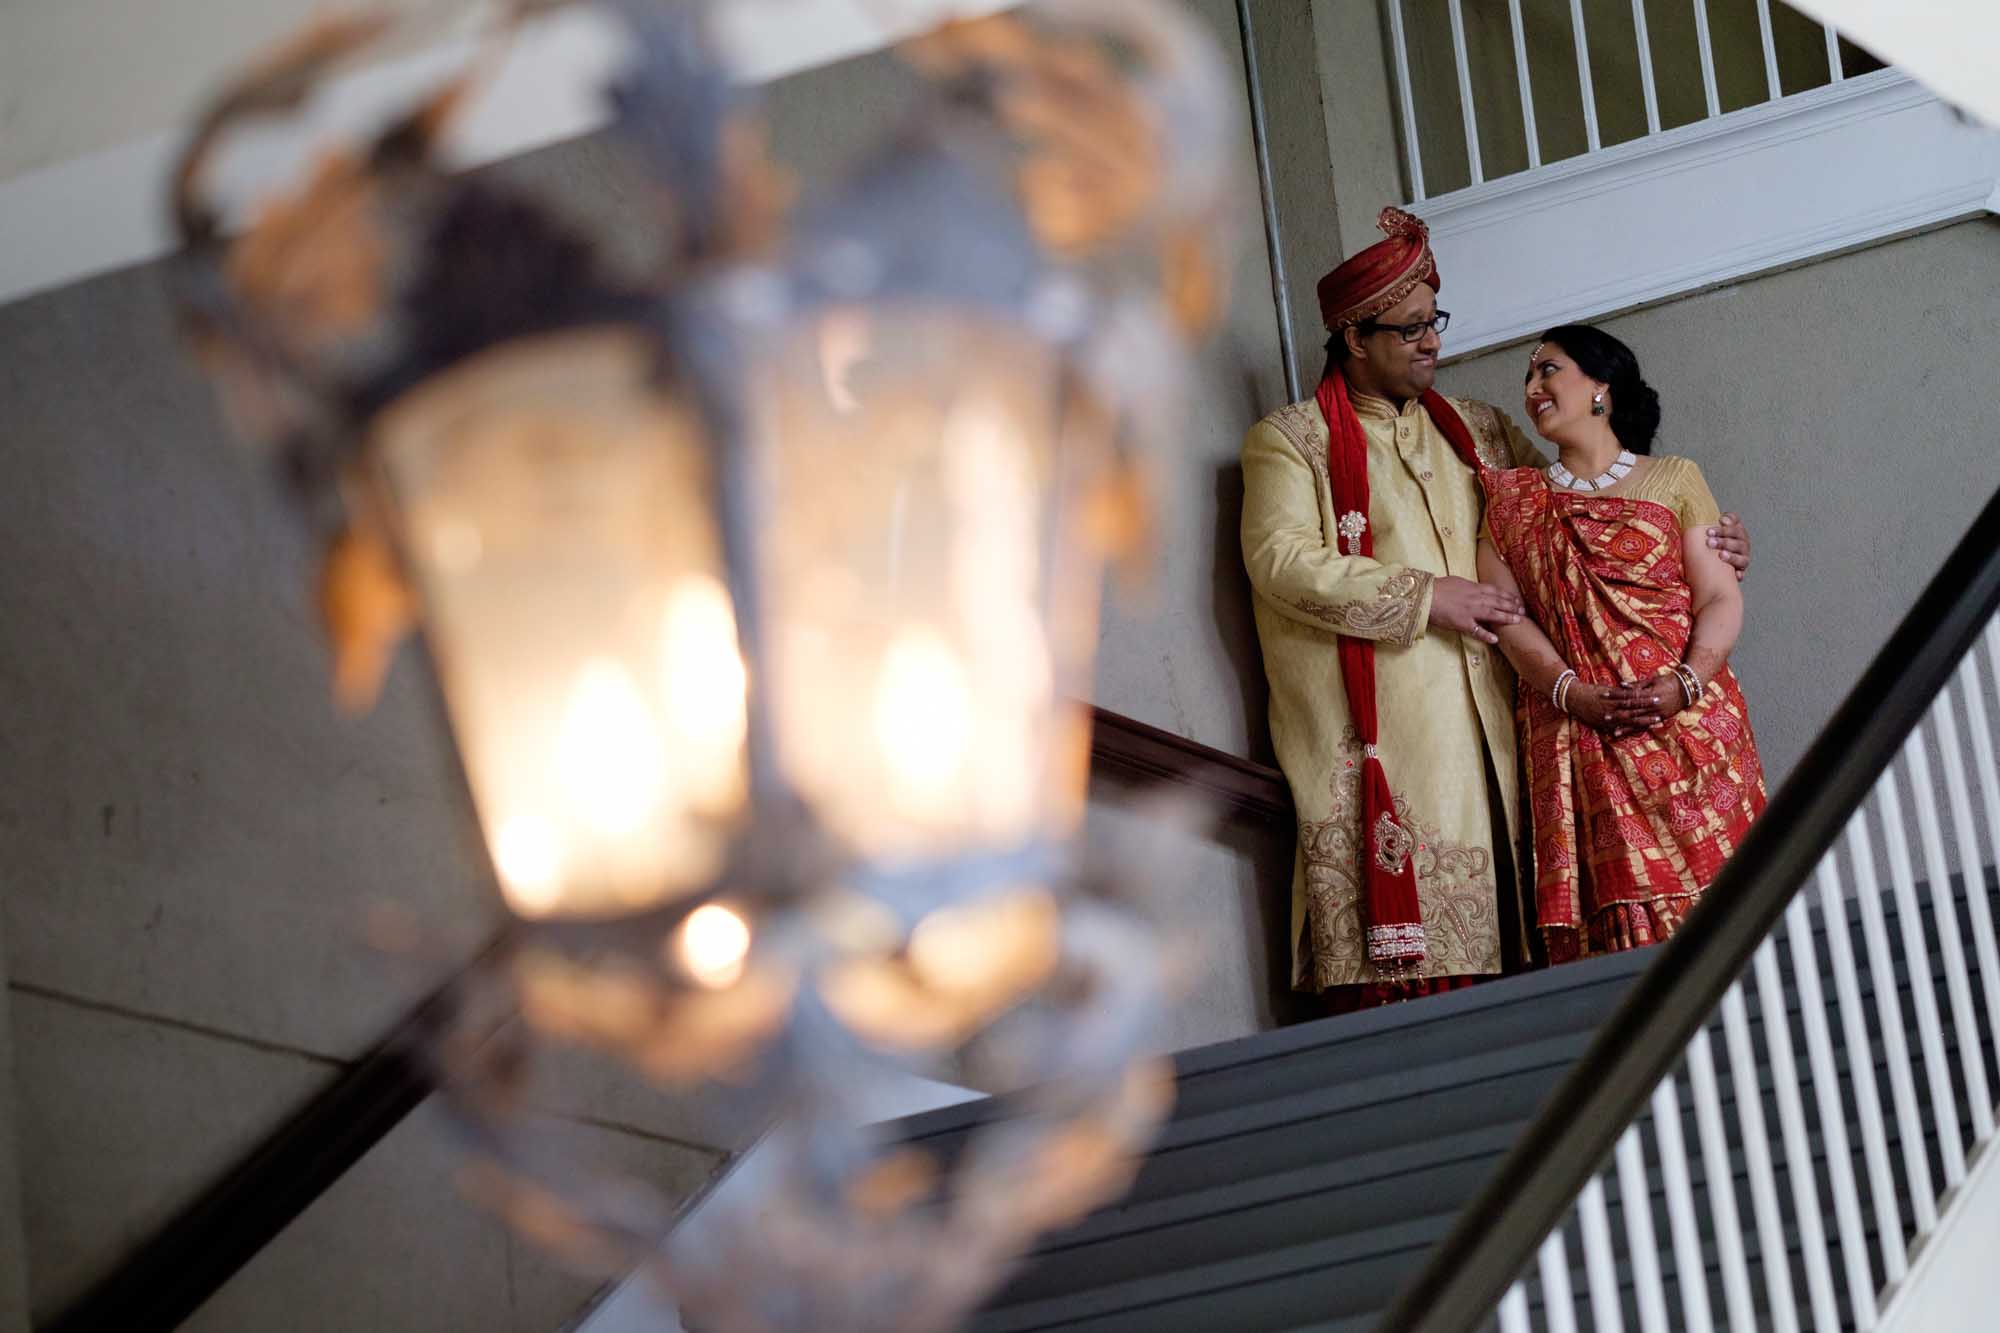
(1266, 190)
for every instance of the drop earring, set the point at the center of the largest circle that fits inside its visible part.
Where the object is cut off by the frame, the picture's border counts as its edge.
(1597, 405)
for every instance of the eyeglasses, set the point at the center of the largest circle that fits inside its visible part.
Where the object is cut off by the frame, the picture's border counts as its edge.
(1409, 333)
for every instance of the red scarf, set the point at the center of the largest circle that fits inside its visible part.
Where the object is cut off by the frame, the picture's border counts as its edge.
(1389, 909)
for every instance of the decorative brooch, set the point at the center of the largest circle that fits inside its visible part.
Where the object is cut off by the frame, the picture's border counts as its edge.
(1352, 524)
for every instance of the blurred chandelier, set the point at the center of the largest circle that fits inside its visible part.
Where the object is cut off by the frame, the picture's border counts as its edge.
(758, 550)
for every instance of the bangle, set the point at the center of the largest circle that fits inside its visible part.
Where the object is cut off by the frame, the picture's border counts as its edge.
(1691, 686)
(1559, 692)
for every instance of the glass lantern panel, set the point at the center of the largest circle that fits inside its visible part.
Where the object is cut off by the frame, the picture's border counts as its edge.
(555, 508)
(927, 571)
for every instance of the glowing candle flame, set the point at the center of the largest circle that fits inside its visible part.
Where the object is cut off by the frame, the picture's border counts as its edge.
(923, 719)
(608, 757)
(705, 684)
(713, 943)
(529, 859)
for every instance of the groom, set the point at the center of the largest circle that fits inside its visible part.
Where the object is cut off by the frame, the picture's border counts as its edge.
(1391, 710)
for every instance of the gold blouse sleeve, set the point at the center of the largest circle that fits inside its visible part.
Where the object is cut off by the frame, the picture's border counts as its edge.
(1297, 572)
(1692, 501)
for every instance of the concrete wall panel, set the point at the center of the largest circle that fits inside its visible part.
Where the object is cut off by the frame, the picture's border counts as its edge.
(395, 1247)
(193, 830)
(122, 1120)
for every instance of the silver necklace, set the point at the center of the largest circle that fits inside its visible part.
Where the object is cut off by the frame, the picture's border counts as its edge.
(1610, 477)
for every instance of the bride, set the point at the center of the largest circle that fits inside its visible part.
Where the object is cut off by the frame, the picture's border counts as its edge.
(1640, 769)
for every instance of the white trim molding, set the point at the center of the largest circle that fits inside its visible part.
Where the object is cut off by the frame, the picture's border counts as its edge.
(1753, 191)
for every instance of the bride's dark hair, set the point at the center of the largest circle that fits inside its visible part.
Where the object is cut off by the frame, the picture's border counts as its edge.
(1635, 408)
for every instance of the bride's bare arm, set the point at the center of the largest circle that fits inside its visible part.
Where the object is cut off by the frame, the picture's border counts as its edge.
(1535, 659)
(1718, 607)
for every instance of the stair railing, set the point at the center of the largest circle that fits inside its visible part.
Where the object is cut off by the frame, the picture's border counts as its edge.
(1615, 1131)
(1532, 60)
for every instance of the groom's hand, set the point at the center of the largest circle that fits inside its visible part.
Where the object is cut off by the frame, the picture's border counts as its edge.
(1473, 609)
(1731, 540)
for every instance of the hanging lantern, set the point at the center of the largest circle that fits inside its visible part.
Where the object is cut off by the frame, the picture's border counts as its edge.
(759, 587)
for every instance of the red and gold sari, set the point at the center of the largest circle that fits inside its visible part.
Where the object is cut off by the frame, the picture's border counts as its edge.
(1628, 832)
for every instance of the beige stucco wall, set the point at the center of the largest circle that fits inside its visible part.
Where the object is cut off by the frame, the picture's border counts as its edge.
(13, 1236)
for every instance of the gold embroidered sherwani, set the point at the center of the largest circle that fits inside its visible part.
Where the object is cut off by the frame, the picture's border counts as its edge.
(1445, 702)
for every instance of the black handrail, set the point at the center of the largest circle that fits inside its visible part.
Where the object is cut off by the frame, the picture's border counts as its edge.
(1540, 1178)
(1129, 752)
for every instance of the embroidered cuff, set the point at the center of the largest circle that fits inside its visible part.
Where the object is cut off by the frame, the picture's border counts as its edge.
(1396, 615)
(1420, 609)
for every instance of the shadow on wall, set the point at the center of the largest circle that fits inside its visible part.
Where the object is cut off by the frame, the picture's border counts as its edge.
(1266, 852)
(1235, 624)
(1220, 886)
(1269, 853)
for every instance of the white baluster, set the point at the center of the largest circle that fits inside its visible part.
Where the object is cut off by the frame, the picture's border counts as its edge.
(1771, 78)
(1951, 942)
(1721, 1180)
(1647, 84)
(1558, 1303)
(1635, 1191)
(1923, 994)
(1835, 70)
(1757, 1155)
(1799, 1168)
(1690, 1268)
(1832, 1115)
(1708, 83)
(1982, 733)
(1600, 1265)
(1470, 114)
(1889, 1020)
(1974, 864)
(1527, 84)
(1588, 87)
(1514, 1310)
(1993, 647)
(1413, 155)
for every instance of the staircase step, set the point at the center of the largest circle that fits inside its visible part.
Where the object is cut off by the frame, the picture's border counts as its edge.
(1271, 1212)
(1261, 1293)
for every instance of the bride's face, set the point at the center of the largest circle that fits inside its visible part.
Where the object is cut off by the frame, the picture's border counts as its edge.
(1557, 395)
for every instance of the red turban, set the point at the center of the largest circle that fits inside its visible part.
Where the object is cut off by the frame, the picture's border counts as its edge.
(1382, 276)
